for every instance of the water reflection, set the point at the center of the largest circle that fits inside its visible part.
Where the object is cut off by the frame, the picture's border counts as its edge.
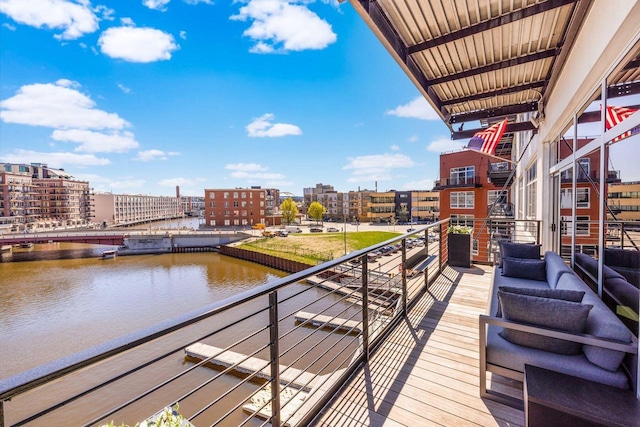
(54, 307)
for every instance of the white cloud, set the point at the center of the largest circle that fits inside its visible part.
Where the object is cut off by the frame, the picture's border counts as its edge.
(376, 167)
(284, 25)
(183, 35)
(419, 108)
(105, 13)
(127, 22)
(9, 26)
(96, 142)
(412, 138)
(198, 1)
(57, 105)
(394, 147)
(442, 145)
(149, 155)
(247, 167)
(123, 88)
(55, 160)
(423, 184)
(262, 127)
(74, 18)
(137, 44)
(160, 5)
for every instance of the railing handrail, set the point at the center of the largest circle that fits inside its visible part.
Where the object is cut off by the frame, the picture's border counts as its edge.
(33, 378)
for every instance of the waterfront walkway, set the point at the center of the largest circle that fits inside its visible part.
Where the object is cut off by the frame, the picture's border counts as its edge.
(426, 372)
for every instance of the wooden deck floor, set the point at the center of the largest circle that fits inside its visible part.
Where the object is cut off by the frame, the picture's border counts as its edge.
(426, 373)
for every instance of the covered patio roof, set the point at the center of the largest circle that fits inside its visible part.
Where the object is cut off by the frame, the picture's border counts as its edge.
(478, 60)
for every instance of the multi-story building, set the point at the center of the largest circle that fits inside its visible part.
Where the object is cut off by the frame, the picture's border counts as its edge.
(382, 207)
(425, 206)
(36, 196)
(272, 200)
(624, 201)
(235, 207)
(129, 209)
(311, 193)
(473, 187)
(192, 205)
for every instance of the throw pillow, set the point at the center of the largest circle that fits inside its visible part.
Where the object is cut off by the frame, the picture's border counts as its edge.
(533, 269)
(545, 312)
(518, 250)
(561, 294)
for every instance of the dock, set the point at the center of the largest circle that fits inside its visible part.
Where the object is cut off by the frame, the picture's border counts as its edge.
(334, 323)
(248, 365)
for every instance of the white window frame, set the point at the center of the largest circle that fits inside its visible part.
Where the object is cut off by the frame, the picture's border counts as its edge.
(468, 200)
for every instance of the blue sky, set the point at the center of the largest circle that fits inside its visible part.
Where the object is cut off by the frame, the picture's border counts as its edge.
(140, 96)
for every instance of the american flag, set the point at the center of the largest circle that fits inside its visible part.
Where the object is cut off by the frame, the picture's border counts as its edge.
(487, 140)
(616, 115)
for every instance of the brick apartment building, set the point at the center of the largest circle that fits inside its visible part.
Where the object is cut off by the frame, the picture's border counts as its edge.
(235, 207)
(470, 182)
(35, 196)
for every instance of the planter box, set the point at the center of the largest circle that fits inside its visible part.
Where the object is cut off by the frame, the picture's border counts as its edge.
(459, 247)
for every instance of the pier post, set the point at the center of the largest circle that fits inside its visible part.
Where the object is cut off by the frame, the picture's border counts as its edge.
(365, 308)
(275, 358)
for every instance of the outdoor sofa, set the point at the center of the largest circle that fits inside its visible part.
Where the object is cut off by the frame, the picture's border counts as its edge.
(621, 280)
(582, 338)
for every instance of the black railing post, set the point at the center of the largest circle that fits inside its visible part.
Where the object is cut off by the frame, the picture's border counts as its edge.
(403, 271)
(1, 413)
(275, 358)
(440, 249)
(537, 232)
(365, 308)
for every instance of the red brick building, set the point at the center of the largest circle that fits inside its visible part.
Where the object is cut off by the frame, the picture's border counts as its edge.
(470, 182)
(235, 207)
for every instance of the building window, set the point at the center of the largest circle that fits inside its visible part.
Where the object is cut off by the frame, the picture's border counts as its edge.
(463, 175)
(461, 199)
(236, 204)
(244, 204)
(582, 201)
(502, 196)
(532, 191)
(461, 220)
(212, 204)
(235, 195)
(582, 226)
(212, 195)
(227, 213)
(226, 195)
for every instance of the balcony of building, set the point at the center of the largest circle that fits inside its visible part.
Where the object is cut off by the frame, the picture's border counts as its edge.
(465, 182)
(501, 174)
(361, 340)
(611, 177)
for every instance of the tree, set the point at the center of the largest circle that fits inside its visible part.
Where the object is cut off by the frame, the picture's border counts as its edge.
(316, 211)
(403, 213)
(289, 211)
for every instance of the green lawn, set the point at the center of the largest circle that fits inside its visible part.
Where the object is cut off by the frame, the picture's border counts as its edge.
(316, 248)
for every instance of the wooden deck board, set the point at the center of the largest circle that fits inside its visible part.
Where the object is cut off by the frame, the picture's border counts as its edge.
(426, 372)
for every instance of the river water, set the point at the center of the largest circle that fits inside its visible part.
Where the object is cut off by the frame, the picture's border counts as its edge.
(63, 298)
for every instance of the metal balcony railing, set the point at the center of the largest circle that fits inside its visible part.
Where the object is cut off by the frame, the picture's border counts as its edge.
(272, 355)
(474, 182)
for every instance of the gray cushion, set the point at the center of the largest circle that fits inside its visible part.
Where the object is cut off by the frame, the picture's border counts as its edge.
(518, 250)
(602, 322)
(622, 258)
(555, 268)
(546, 312)
(501, 352)
(534, 269)
(562, 294)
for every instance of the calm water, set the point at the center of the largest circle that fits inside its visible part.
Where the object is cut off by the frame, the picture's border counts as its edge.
(51, 308)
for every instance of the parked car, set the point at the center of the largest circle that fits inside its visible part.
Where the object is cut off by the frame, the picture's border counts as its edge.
(409, 230)
(332, 230)
(315, 230)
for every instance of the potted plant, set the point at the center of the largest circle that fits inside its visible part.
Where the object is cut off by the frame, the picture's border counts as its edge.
(459, 246)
